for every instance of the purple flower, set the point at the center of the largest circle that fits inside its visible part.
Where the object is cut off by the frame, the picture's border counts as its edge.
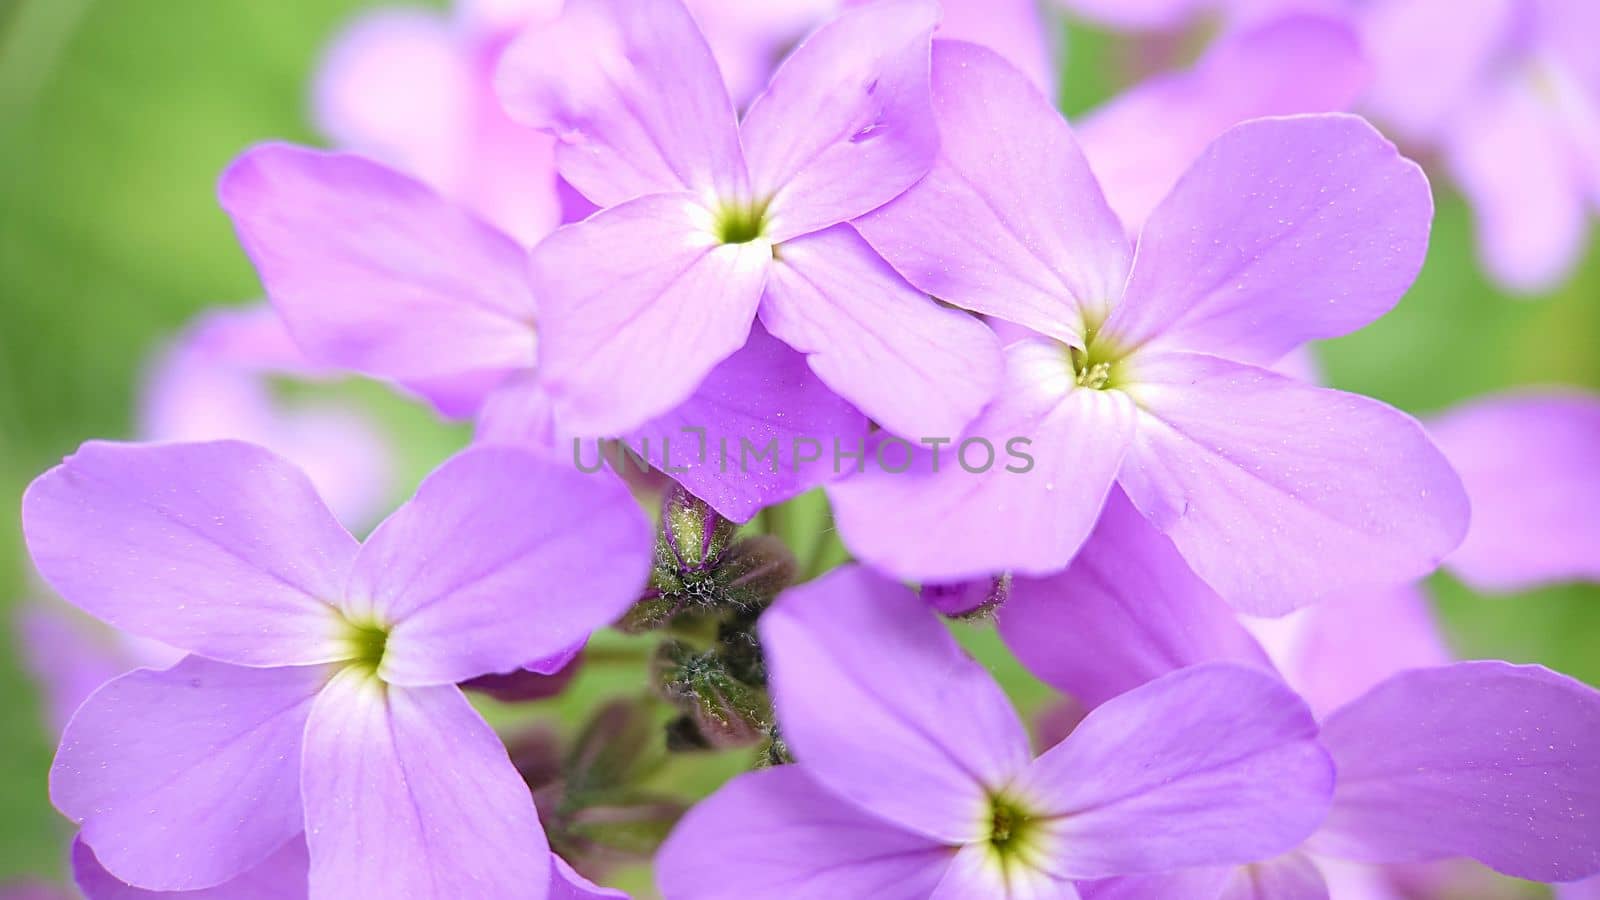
(376, 273)
(1147, 369)
(915, 777)
(1290, 64)
(1486, 760)
(708, 219)
(1528, 460)
(321, 695)
(1509, 92)
(281, 876)
(415, 89)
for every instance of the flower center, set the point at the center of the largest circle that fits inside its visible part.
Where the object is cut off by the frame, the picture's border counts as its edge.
(741, 223)
(367, 642)
(1098, 366)
(1016, 836)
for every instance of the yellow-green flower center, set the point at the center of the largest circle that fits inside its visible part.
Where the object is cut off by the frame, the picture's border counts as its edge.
(367, 642)
(1099, 365)
(1015, 837)
(741, 223)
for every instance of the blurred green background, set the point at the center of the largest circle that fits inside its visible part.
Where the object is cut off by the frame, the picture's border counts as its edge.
(116, 116)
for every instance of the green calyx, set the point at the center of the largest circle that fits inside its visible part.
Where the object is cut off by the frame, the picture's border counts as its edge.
(741, 223)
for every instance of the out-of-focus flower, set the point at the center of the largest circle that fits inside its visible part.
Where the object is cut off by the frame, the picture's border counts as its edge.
(442, 305)
(321, 696)
(214, 382)
(69, 655)
(1508, 91)
(1531, 464)
(914, 771)
(709, 220)
(1165, 15)
(415, 89)
(1141, 141)
(1505, 92)
(1147, 370)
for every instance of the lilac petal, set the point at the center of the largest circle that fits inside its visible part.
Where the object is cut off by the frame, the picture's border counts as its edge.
(538, 680)
(499, 558)
(778, 833)
(408, 793)
(847, 123)
(1343, 646)
(632, 94)
(1018, 30)
(212, 383)
(884, 709)
(1211, 765)
(1284, 231)
(1126, 612)
(1430, 57)
(1206, 883)
(185, 778)
(913, 366)
(1292, 64)
(409, 88)
(1481, 759)
(1278, 492)
(757, 431)
(750, 39)
(68, 656)
(567, 884)
(396, 86)
(716, 443)
(221, 549)
(1528, 463)
(1037, 243)
(1588, 889)
(638, 304)
(1291, 877)
(375, 272)
(282, 876)
(1509, 152)
(973, 873)
(1056, 450)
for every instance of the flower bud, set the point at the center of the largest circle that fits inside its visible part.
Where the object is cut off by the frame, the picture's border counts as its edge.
(700, 569)
(693, 536)
(725, 711)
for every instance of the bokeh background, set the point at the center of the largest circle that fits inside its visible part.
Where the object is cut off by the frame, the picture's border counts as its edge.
(117, 115)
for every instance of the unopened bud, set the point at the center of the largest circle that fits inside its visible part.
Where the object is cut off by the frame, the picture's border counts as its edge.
(693, 536)
(700, 569)
(754, 571)
(725, 711)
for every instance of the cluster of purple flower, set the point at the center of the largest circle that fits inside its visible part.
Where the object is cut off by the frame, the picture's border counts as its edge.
(558, 223)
